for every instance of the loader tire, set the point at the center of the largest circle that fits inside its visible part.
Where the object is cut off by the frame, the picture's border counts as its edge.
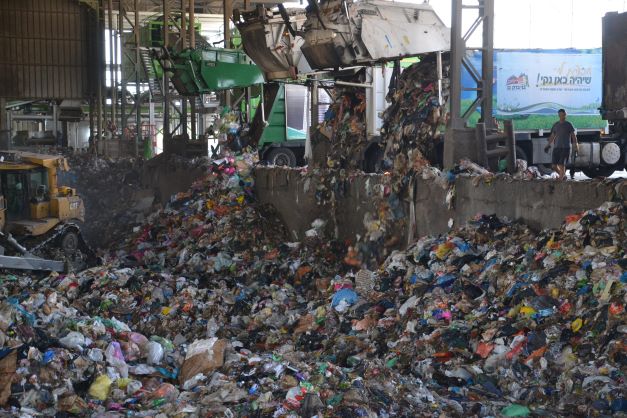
(69, 243)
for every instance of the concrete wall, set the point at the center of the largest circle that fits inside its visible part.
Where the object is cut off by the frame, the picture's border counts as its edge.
(538, 203)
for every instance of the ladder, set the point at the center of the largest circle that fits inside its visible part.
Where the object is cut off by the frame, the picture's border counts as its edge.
(154, 84)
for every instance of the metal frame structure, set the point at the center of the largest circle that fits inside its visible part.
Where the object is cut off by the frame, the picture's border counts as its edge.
(459, 59)
(128, 22)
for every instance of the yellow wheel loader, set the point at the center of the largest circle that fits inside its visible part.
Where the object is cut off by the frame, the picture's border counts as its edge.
(37, 216)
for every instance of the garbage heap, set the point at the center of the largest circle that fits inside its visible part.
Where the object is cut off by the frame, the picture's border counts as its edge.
(413, 123)
(109, 189)
(341, 139)
(120, 193)
(210, 311)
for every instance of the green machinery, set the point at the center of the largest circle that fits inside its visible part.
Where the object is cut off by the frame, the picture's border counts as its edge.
(277, 142)
(205, 70)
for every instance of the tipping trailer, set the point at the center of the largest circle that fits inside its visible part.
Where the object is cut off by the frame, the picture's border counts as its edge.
(332, 35)
(614, 105)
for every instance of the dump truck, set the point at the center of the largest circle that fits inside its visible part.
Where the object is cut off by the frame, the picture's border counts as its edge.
(331, 35)
(38, 218)
(340, 34)
(614, 105)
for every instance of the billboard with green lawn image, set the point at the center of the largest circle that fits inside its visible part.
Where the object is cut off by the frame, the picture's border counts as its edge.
(531, 85)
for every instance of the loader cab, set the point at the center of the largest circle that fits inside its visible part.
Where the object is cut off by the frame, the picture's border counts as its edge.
(20, 188)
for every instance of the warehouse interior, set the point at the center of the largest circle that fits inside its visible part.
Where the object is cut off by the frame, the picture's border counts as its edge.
(324, 208)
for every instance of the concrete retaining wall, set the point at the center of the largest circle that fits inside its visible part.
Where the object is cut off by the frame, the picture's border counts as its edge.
(538, 203)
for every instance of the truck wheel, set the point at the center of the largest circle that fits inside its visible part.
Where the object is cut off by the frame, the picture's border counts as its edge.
(282, 157)
(598, 172)
(69, 243)
(521, 154)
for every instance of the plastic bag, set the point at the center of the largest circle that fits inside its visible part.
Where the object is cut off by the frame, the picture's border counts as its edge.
(154, 352)
(138, 339)
(133, 386)
(343, 298)
(100, 388)
(73, 340)
(115, 358)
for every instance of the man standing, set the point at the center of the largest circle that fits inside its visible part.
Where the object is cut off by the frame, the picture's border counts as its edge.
(563, 134)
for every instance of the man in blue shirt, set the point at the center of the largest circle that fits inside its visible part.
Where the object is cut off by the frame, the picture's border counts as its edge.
(563, 134)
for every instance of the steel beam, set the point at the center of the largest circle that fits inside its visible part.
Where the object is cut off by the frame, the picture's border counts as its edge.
(138, 110)
(192, 44)
(99, 55)
(166, 82)
(123, 90)
(487, 61)
(112, 67)
(183, 44)
(483, 79)
(458, 49)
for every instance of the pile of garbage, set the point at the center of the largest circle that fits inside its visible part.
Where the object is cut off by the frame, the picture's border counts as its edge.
(119, 193)
(412, 129)
(341, 138)
(413, 123)
(108, 188)
(209, 310)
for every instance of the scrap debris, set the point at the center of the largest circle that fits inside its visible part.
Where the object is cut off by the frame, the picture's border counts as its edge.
(209, 310)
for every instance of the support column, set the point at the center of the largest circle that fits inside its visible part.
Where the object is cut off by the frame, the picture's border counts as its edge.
(123, 91)
(3, 114)
(5, 125)
(487, 61)
(138, 105)
(458, 47)
(192, 44)
(228, 11)
(92, 137)
(313, 118)
(103, 62)
(166, 82)
(460, 142)
(314, 103)
(112, 67)
(99, 54)
(183, 44)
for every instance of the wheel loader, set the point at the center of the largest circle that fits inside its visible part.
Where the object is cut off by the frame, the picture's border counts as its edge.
(37, 217)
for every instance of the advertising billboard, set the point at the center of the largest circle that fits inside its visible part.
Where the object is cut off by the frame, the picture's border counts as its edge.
(540, 82)
(530, 85)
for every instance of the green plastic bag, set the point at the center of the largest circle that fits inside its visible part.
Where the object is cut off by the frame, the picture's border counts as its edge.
(515, 410)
